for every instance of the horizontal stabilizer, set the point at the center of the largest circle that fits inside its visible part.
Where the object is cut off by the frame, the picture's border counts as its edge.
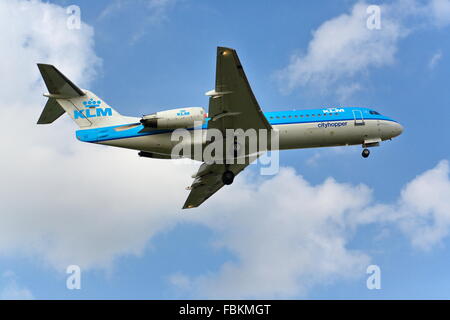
(57, 83)
(51, 112)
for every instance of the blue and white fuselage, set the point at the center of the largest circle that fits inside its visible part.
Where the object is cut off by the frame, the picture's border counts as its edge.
(325, 127)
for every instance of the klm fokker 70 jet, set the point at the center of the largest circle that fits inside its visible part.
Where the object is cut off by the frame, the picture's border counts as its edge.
(232, 105)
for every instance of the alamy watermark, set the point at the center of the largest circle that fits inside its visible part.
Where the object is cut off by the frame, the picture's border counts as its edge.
(73, 21)
(73, 281)
(374, 280)
(233, 146)
(373, 21)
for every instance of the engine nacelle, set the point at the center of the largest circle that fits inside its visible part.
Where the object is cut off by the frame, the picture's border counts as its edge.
(175, 118)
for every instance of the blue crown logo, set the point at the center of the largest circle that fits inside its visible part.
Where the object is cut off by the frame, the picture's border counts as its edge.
(92, 103)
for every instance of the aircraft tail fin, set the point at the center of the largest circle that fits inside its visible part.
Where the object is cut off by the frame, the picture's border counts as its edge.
(83, 106)
(57, 83)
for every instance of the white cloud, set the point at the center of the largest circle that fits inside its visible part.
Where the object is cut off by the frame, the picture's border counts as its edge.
(180, 281)
(156, 12)
(314, 159)
(112, 8)
(60, 199)
(287, 236)
(435, 59)
(12, 291)
(343, 50)
(40, 35)
(440, 12)
(425, 207)
(295, 235)
(345, 91)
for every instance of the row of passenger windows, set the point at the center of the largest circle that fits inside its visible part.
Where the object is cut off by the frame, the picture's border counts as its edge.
(306, 115)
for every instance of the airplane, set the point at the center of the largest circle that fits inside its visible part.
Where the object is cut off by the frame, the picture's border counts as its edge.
(232, 105)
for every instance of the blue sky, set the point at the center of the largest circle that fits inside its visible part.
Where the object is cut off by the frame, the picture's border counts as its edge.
(146, 56)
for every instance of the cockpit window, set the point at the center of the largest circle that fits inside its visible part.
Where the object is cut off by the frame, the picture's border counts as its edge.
(374, 112)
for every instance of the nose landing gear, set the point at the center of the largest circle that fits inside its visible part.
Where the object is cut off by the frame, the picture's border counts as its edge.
(228, 177)
(365, 153)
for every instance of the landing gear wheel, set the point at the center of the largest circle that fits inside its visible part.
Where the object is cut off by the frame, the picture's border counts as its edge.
(365, 153)
(228, 177)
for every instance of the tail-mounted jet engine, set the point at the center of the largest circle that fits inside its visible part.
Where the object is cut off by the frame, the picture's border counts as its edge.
(175, 118)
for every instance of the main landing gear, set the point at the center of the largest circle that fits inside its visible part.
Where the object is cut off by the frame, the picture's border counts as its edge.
(365, 153)
(228, 177)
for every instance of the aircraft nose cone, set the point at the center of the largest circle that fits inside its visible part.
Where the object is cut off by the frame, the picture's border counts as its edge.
(397, 129)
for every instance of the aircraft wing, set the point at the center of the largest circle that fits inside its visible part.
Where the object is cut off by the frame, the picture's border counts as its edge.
(208, 181)
(232, 105)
